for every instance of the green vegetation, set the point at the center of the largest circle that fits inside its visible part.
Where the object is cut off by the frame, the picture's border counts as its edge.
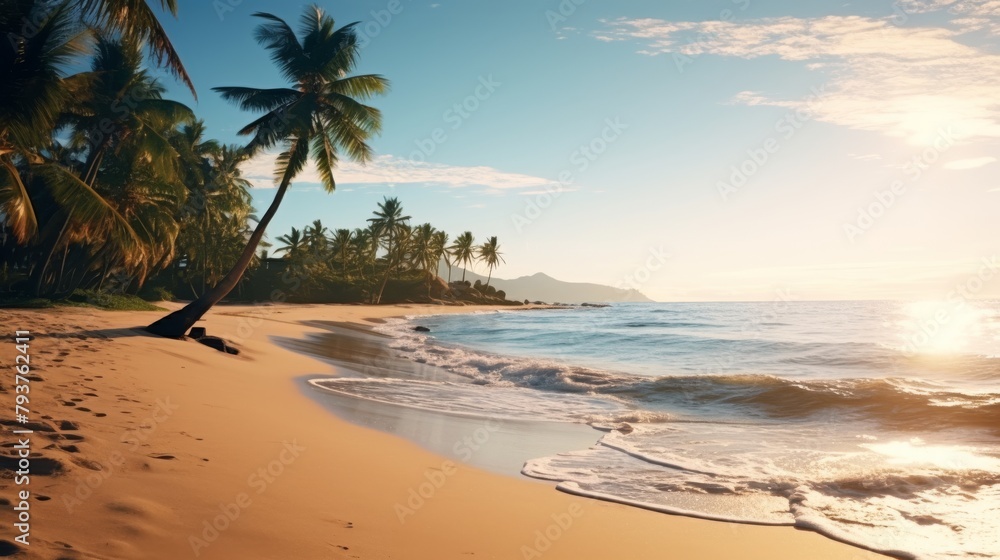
(360, 265)
(109, 190)
(83, 298)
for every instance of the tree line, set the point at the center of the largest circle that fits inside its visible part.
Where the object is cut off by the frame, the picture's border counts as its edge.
(389, 248)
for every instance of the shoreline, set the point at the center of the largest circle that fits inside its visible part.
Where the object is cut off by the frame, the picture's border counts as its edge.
(208, 440)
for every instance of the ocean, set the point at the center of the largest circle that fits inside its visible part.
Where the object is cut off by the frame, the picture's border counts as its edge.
(875, 423)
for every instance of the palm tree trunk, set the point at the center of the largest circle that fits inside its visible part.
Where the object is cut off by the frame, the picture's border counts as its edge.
(40, 282)
(178, 322)
(389, 266)
(488, 277)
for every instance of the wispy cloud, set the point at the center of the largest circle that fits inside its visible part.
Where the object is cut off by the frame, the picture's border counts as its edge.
(971, 163)
(865, 157)
(395, 171)
(907, 82)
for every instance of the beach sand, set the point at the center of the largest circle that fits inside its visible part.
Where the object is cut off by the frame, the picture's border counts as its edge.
(168, 438)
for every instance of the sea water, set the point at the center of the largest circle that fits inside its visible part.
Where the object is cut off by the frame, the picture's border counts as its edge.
(876, 423)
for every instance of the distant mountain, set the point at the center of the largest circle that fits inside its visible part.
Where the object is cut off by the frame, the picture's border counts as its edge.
(542, 287)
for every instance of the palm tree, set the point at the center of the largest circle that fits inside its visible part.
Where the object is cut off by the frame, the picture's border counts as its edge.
(318, 116)
(441, 251)
(294, 245)
(364, 246)
(214, 218)
(33, 91)
(315, 237)
(123, 104)
(121, 112)
(489, 253)
(389, 224)
(343, 250)
(135, 21)
(424, 252)
(463, 251)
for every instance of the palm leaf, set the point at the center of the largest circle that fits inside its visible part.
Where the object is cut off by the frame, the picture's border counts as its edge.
(253, 99)
(135, 19)
(19, 214)
(86, 206)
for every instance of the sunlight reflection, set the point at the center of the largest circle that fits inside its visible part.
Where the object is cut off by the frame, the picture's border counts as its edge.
(951, 457)
(940, 327)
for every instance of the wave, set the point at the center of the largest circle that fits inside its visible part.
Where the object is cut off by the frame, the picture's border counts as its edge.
(897, 402)
(922, 509)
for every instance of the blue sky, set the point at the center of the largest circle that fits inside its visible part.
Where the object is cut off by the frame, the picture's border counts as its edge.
(707, 150)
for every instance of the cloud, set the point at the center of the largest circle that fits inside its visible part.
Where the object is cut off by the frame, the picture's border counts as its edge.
(394, 171)
(865, 157)
(971, 163)
(909, 82)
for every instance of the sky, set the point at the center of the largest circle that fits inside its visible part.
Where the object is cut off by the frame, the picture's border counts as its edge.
(697, 150)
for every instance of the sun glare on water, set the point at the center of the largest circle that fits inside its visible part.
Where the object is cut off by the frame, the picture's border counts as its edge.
(940, 327)
(950, 457)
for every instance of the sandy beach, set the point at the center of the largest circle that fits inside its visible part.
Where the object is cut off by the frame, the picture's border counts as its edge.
(161, 448)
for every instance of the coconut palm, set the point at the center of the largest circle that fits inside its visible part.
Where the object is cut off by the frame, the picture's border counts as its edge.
(364, 246)
(320, 115)
(489, 253)
(136, 21)
(124, 104)
(120, 112)
(315, 238)
(441, 251)
(214, 218)
(463, 251)
(343, 250)
(294, 245)
(390, 227)
(33, 91)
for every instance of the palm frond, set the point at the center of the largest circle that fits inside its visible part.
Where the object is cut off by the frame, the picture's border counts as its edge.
(253, 99)
(86, 206)
(19, 214)
(290, 162)
(135, 19)
(325, 155)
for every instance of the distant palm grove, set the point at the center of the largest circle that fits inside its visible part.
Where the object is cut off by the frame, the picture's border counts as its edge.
(107, 187)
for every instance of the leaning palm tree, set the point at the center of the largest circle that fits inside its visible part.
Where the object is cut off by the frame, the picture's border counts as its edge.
(463, 251)
(320, 115)
(489, 253)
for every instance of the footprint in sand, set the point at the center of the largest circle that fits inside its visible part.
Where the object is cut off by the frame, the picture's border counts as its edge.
(162, 456)
(40, 464)
(8, 548)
